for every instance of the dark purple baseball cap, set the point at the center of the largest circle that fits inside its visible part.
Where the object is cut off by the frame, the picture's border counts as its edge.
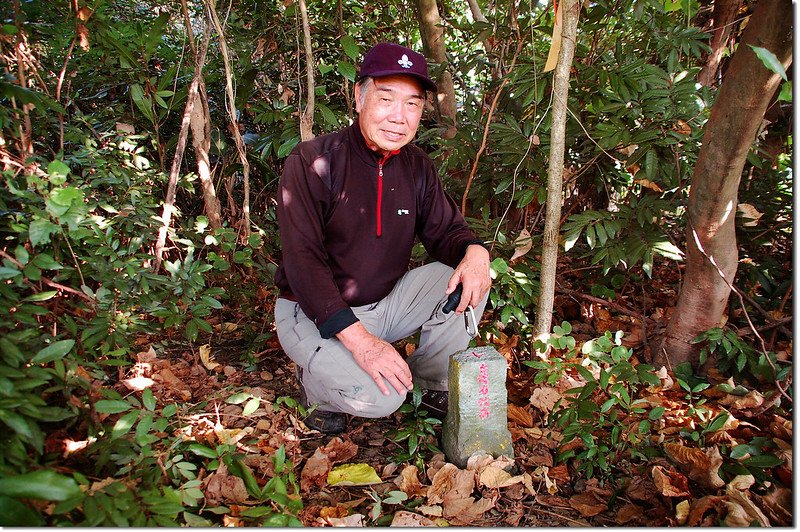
(388, 59)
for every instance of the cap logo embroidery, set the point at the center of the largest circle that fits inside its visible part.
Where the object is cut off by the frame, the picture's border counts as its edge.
(404, 62)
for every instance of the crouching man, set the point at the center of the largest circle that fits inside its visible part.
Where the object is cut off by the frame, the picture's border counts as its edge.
(350, 205)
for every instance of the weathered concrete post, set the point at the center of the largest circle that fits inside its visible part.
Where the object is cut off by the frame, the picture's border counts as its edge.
(476, 421)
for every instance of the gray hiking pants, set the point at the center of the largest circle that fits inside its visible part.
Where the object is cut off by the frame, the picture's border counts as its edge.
(331, 377)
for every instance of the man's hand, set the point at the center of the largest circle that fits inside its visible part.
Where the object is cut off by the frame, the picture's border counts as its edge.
(473, 274)
(377, 357)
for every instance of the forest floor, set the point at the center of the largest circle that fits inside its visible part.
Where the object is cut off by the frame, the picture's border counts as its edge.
(689, 480)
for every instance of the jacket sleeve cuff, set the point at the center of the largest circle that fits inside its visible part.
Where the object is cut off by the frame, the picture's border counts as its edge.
(478, 242)
(341, 320)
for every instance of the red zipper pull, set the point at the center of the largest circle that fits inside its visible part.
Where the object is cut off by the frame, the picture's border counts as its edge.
(380, 196)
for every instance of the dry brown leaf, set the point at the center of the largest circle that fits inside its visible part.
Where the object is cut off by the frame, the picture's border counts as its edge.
(741, 482)
(628, 513)
(777, 505)
(441, 483)
(520, 416)
(588, 504)
(749, 511)
(436, 462)
(315, 472)
(223, 488)
(552, 500)
(410, 519)
(748, 211)
(670, 483)
(701, 466)
(338, 511)
(408, 481)
(495, 478)
(752, 399)
(435, 510)
(463, 511)
(648, 184)
(640, 489)
(545, 398)
(700, 507)
(206, 359)
(522, 245)
(781, 428)
(340, 451)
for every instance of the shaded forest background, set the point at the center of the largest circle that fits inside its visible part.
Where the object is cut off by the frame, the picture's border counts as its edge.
(141, 382)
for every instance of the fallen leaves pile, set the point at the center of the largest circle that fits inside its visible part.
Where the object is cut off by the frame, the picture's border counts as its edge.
(352, 481)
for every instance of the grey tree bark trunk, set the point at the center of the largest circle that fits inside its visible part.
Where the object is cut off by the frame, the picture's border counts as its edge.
(547, 283)
(433, 41)
(712, 255)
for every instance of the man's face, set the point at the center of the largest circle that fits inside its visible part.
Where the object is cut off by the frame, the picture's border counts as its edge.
(391, 111)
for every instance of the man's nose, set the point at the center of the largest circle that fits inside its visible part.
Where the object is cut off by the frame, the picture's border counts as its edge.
(396, 113)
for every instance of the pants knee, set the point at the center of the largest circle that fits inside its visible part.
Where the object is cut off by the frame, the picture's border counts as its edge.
(375, 406)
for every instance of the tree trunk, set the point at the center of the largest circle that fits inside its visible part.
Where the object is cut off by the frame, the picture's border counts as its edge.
(201, 141)
(183, 135)
(730, 131)
(200, 123)
(430, 25)
(547, 285)
(723, 16)
(307, 117)
(244, 234)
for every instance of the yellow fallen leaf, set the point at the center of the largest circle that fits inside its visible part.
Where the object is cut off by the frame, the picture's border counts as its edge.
(682, 512)
(353, 475)
(205, 357)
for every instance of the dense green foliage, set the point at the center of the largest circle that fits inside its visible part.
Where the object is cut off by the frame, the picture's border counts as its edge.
(80, 211)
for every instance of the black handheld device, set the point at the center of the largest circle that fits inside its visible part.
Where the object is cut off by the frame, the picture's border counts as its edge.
(453, 300)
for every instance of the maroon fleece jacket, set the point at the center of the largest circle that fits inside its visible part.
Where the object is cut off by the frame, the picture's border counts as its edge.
(348, 217)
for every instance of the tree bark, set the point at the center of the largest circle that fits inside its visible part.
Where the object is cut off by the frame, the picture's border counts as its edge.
(237, 135)
(201, 142)
(730, 131)
(307, 117)
(430, 25)
(200, 123)
(183, 135)
(723, 16)
(547, 284)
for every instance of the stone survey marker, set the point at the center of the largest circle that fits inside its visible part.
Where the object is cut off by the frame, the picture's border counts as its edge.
(476, 421)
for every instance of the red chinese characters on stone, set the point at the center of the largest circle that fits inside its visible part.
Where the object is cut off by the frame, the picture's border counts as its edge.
(483, 399)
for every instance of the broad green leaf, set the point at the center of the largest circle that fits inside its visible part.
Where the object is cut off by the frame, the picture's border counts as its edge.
(251, 406)
(14, 513)
(202, 450)
(39, 231)
(770, 61)
(41, 296)
(58, 172)
(124, 424)
(353, 475)
(53, 352)
(763, 461)
(8, 273)
(46, 262)
(347, 70)
(44, 484)
(350, 47)
(238, 398)
(656, 413)
(110, 406)
(148, 400)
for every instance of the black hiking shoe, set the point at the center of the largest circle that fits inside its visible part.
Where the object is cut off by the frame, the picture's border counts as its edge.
(435, 401)
(325, 422)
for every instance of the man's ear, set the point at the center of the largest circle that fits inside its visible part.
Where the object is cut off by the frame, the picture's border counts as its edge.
(357, 96)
